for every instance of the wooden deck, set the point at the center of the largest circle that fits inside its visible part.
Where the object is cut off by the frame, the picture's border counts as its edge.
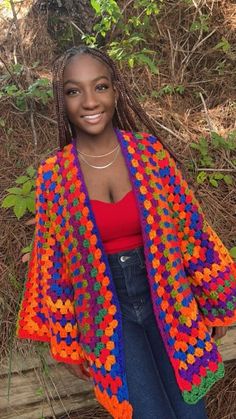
(41, 388)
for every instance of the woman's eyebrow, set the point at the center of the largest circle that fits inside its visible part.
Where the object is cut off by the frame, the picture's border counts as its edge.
(78, 82)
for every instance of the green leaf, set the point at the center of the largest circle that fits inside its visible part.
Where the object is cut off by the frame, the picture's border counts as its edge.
(203, 142)
(30, 204)
(31, 171)
(26, 249)
(224, 45)
(218, 176)
(11, 89)
(217, 140)
(206, 160)
(213, 182)
(9, 201)
(195, 146)
(26, 188)
(201, 177)
(21, 179)
(20, 207)
(16, 191)
(233, 252)
(180, 89)
(228, 179)
(21, 103)
(167, 89)
(131, 62)
(142, 58)
(32, 195)
(96, 6)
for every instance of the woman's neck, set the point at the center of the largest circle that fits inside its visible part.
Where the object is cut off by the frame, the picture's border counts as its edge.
(96, 144)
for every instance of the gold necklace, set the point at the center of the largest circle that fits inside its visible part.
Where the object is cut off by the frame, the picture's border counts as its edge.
(101, 167)
(101, 155)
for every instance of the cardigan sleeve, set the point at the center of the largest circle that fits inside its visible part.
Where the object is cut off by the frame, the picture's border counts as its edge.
(209, 266)
(47, 311)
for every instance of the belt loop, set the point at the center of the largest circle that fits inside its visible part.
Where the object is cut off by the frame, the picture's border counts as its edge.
(139, 252)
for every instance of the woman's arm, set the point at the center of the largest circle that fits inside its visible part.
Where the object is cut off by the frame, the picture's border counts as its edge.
(47, 307)
(210, 269)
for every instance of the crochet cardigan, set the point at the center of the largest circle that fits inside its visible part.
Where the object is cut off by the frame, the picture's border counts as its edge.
(70, 299)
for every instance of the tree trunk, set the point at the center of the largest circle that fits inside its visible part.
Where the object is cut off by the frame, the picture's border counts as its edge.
(68, 20)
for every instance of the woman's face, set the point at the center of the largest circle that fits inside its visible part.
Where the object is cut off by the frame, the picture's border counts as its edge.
(89, 95)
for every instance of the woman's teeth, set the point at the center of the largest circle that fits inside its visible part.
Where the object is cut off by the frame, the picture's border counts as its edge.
(92, 117)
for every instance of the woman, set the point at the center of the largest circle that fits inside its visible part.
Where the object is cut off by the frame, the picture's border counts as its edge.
(126, 279)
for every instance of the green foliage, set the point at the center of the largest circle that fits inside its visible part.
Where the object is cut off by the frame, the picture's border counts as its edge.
(205, 160)
(5, 4)
(124, 51)
(39, 391)
(110, 13)
(228, 143)
(14, 283)
(215, 177)
(27, 249)
(220, 68)
(40, 90)
(223, 45)
(129, 46)
(200, 24)
(168, 90)
(203, 149)
(22, 197)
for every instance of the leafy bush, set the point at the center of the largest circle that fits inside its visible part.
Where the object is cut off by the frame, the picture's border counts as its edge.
(205, 160)
(115, 23)
(22, 197)
(40, 90)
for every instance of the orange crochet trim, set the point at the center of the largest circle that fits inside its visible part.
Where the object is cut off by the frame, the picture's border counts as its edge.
(118, 410)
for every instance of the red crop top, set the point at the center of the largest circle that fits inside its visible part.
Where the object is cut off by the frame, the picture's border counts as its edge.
(118, 223)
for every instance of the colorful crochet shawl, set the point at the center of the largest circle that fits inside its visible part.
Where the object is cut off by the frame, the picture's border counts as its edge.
(70, 299)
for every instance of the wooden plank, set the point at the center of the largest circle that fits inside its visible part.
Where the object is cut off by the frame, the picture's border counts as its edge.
(227, 347)
(24, 362)
(43, 410)
(33, 385)
(34, 393)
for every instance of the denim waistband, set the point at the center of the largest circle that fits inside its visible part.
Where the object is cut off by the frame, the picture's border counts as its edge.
(127, 257)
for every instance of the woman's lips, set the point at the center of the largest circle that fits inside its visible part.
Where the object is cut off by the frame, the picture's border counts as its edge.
(93, 119)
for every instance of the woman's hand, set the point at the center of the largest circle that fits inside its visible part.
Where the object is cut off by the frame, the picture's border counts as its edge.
(217, 332)
(81, 371)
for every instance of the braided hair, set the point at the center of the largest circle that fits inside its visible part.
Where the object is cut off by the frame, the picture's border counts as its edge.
(127, 109)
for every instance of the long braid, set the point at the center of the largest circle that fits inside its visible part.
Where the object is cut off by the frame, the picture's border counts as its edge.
(127, 110)
(63, 123)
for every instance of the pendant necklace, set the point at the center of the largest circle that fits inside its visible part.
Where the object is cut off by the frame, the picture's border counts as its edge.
(101, 155)
(106, 165)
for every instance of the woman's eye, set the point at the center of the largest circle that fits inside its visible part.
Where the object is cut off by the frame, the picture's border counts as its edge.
(102, 87)
(72, 92)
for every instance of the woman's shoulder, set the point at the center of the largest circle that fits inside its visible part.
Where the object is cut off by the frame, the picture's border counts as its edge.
(149, 140)
(140, 135)
(54, 160)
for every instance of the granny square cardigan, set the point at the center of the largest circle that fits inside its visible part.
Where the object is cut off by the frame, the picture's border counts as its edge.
(70, 299)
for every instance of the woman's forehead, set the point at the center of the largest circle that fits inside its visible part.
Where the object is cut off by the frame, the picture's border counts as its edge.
(84, 66)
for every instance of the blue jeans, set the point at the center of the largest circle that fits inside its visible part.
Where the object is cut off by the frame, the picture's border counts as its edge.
(153, 390)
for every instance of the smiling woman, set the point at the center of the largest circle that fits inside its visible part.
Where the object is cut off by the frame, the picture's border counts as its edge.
(90, 99)
(127, 280)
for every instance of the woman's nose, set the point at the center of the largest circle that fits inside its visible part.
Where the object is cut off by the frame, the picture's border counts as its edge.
(89, 100)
